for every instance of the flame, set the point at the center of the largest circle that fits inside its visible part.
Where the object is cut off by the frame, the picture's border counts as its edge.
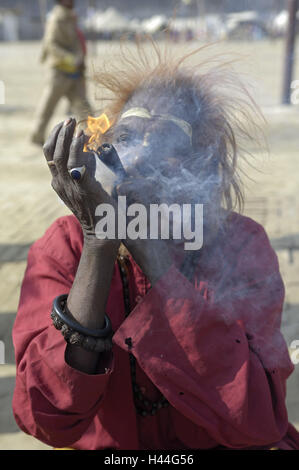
(96, 127)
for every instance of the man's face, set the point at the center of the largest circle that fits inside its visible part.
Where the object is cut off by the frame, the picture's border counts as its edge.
(155, 143)
(150, 146)
(156, 151)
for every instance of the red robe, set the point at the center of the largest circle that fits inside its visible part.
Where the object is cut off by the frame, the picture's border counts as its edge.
(214, 349)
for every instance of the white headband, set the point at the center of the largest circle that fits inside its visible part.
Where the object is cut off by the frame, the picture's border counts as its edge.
(145, 113)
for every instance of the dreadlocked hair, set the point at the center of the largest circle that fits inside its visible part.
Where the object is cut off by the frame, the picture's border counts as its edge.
(209, 95)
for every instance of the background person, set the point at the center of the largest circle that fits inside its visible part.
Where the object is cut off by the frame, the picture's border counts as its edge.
(64, 49)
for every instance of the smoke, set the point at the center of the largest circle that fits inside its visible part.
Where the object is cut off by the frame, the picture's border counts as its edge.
(231, 265)
(159, 149)
(236, 267)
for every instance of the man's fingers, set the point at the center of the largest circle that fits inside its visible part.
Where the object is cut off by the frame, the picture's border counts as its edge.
(62, 147)
(50, 143)
(49, 148)
(82, 162)
(77, 157)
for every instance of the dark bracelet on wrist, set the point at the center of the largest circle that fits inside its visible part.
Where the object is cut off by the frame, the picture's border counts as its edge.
(98, 340)
(60, 311)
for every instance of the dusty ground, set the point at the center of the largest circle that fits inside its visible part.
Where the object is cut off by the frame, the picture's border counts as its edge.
(28, 204)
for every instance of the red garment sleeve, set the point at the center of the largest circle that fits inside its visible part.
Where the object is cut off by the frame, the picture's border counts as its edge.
(221, 363)
(52, 401)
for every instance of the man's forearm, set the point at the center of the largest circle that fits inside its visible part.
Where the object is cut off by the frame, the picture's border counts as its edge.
(88, 296)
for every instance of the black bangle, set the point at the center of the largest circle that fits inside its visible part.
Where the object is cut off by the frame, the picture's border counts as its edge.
(58, 310)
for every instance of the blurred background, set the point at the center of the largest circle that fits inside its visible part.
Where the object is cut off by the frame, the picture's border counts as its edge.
(191, 19)
(262, 34)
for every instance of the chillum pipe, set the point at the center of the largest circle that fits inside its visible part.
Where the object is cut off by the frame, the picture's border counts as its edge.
(109, 156)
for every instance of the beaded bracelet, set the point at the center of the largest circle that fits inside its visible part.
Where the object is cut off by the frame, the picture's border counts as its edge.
(76, 334)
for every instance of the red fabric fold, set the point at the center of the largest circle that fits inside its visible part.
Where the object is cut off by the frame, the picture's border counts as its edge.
(213, 349)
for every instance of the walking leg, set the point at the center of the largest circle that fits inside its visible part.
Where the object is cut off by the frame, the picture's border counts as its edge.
(55, 89)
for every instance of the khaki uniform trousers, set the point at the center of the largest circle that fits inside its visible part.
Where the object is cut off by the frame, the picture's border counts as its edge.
(60, 85)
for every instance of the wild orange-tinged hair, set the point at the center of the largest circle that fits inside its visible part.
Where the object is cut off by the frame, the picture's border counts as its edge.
(224, 117)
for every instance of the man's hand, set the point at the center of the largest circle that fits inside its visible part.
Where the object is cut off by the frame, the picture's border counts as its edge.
(88, 296)
(63, 151)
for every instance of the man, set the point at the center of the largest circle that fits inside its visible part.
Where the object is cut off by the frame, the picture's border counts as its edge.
(64, 50)
(198, 360)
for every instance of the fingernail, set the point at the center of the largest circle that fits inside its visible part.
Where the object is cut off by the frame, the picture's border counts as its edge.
(67, 122)
(78, 133)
